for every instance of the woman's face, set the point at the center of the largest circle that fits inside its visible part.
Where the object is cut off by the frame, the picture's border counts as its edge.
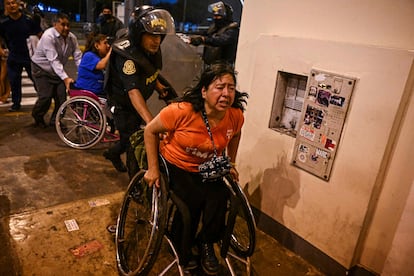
(102, 47)
(219, 95)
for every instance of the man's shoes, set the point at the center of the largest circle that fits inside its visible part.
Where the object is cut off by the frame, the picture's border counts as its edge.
(14, 108)
(40, 124)
(116, 161)
(52, 121)
(209, 260)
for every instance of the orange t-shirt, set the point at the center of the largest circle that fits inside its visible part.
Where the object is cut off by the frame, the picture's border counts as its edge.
(188, 143)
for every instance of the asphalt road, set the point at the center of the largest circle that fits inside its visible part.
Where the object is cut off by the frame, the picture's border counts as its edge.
(38, 172)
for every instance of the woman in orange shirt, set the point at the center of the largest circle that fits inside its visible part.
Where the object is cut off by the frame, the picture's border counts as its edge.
(201, 125)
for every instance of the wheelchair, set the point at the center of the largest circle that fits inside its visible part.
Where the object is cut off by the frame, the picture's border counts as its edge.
(82, 120)
(142, 233)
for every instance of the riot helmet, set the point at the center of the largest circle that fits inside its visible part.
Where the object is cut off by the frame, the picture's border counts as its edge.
(148, 19)
(221, 9)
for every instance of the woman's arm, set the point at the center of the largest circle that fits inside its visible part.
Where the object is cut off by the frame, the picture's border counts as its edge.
(151, 138)
(101, 65)
(232, 148)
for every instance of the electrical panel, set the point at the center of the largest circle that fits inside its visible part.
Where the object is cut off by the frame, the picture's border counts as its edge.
(323, 116)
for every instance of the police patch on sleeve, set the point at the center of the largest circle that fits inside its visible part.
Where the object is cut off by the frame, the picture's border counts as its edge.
(129, 67)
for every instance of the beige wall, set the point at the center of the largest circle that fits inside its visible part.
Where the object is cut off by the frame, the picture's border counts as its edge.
(355, 217)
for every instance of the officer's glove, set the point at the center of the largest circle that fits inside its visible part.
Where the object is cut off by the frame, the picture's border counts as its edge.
(196, 40)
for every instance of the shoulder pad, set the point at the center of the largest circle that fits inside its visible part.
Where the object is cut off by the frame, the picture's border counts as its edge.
(122, 44)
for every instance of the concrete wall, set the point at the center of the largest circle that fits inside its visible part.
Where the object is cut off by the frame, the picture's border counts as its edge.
(361, 214)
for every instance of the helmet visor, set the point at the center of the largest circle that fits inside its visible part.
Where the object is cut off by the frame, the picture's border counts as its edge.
(217, 9)
(158, 22)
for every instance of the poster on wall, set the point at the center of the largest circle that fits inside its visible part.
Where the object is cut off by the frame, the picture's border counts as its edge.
(323, 115)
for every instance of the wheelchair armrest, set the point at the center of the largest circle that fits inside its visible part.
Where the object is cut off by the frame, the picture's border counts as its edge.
(81, 92)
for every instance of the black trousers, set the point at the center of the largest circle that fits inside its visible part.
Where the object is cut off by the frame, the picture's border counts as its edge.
(206, 202)
(14, 72)
(127, 122)
(48, 87)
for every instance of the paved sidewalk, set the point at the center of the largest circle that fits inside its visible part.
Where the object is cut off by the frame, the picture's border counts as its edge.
(44, 183)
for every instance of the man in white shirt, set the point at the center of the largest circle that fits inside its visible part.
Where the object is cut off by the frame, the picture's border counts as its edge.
(53, 51)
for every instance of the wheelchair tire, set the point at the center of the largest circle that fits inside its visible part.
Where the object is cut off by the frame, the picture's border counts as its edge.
(243, 236)
(140, 226)
(80, 122)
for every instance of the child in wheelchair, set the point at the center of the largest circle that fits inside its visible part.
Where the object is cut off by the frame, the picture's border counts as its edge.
(91, 71)
(93, 63)
(200, 128)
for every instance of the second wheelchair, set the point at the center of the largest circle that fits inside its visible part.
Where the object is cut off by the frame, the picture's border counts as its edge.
(82, 120)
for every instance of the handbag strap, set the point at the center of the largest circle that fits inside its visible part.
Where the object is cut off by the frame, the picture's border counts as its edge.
(204, 115)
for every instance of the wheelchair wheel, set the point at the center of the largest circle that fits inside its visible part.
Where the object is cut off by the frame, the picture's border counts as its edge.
(140, 226)
(240, 221)
(80, 122)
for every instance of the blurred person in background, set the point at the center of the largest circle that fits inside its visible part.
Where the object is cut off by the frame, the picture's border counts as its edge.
(39, 18)
(220, 40)
(15, 29)
(108, 24)
(4, 81)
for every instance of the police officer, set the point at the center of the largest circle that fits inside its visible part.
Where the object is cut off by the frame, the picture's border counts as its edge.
(220, 40)
(133, 75)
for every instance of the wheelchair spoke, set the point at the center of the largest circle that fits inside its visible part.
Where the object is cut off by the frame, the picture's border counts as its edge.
(81, 122)
(140, 228)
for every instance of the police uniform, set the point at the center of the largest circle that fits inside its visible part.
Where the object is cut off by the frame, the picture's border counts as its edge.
(129, 68)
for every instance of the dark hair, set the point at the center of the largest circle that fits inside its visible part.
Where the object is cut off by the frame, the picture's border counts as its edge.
(210, 74)
(107, 7)
(60, 15)
(91, 40)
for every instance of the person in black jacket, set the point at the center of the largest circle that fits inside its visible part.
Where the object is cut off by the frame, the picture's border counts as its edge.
(108, 24)
(220, 41)
(133, 75)
(15, 28)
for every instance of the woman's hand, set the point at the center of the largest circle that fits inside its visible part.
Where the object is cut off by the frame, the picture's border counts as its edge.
(235, 174)
(152, 177)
